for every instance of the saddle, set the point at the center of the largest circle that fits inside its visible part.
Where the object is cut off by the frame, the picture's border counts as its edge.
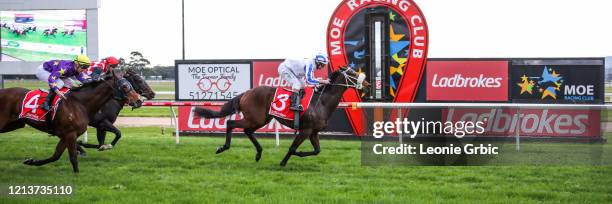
(31, 107)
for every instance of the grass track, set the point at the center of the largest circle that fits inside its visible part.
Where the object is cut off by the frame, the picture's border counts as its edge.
(148, 167)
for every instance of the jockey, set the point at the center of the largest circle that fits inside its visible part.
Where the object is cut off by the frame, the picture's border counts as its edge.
(297, 71)
(99, 67)
(58, 73)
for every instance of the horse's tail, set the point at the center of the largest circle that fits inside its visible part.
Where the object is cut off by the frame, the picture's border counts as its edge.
(231, 107)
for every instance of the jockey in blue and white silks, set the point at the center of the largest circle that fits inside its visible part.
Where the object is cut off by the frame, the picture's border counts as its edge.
(298, 72)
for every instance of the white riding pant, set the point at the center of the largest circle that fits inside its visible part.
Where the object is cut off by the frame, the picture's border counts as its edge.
(43, 75)
(295, 82)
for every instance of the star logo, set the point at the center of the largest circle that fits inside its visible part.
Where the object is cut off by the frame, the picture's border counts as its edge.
(391, 16)
(62, 71)
(55, 63)
(526, 85)
(548, 84)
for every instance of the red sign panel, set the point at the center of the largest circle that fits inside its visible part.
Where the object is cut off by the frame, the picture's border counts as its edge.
(531, 122)
(467, 81)
(189, 122)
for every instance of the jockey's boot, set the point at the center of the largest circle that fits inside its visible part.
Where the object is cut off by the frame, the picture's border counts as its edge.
(47, 104)
(296, 107)
(295, 102)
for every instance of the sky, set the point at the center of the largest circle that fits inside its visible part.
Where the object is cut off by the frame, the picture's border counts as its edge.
(276, 29)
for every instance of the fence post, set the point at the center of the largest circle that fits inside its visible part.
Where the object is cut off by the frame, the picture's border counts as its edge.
(518, 130)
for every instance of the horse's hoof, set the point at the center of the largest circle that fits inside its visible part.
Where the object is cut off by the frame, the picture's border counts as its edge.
(29, 161)
(258, 157)
(82, 154)
(221, 149)
(283, 163)
(105, 147)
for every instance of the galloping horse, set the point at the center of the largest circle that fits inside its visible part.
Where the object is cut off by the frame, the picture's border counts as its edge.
(104, 119)
(255, 103)
(73, 113)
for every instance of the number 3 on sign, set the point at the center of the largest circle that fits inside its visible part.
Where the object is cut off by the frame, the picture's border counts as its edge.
(283, 102)
(33, 103)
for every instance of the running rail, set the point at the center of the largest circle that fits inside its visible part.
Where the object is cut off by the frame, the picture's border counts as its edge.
(356, 105)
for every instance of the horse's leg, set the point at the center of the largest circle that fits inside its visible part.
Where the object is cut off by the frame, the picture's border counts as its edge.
(81, 151)
(231, 124)
(115, 131)
(100, 135)
(314, 140)
(296, 143)
(249, 133)
(59, 149)
(72, 151)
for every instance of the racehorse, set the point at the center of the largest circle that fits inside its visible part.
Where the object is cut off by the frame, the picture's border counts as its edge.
(255, 103)
(104, 119)
(50, 32)
(73, 113)
(68, 32)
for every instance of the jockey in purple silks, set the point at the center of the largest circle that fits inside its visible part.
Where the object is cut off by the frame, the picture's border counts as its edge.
(58, 74)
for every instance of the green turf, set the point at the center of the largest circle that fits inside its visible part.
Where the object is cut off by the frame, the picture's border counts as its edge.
(147, 167)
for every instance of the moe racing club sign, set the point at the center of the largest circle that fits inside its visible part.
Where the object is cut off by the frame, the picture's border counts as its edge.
(212, 80)
(550, 83)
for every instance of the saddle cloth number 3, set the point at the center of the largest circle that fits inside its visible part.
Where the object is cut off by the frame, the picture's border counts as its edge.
(281, 102)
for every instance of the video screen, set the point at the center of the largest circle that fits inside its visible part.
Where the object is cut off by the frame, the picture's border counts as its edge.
(40, 35)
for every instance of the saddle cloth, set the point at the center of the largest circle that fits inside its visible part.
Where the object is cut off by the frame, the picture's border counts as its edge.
(31, 107)
(280, 105)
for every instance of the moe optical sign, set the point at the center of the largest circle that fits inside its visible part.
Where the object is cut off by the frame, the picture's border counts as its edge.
(549, 81)
(467, 81)
(212, 81)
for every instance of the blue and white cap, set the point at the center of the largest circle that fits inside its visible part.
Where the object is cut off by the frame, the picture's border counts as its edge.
(321, 59)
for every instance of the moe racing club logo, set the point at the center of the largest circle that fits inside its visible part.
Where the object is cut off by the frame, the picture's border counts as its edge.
(552, 85)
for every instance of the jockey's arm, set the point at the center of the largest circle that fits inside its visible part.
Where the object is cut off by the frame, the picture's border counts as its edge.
(53, 78)
(310, 79)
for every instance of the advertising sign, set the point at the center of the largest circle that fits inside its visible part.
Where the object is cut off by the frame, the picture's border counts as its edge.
(467, 81)
(190, 123)
(531, 122)
(41, 35)
(212, 81)
(557, 83)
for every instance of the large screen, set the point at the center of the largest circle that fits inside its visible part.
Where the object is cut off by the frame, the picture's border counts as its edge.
(40, 35)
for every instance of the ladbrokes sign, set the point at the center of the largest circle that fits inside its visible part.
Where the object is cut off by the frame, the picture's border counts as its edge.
(467, 81)
(531, 122)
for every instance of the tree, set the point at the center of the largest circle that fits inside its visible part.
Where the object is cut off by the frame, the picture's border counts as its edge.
(137, 62)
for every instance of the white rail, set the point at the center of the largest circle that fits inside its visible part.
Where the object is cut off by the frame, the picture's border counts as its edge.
(475, 105)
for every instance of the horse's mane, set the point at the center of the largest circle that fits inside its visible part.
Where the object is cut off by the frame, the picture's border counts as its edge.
(333, 76)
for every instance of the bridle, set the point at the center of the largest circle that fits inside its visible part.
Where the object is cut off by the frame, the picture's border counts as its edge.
(350, 81)
(121, 94)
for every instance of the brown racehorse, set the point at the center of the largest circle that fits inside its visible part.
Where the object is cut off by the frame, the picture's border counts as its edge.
(255, 103)
(73, 114)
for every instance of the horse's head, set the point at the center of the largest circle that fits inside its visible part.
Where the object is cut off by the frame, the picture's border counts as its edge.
(124, 89)
(140, 85)
(348, 77)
